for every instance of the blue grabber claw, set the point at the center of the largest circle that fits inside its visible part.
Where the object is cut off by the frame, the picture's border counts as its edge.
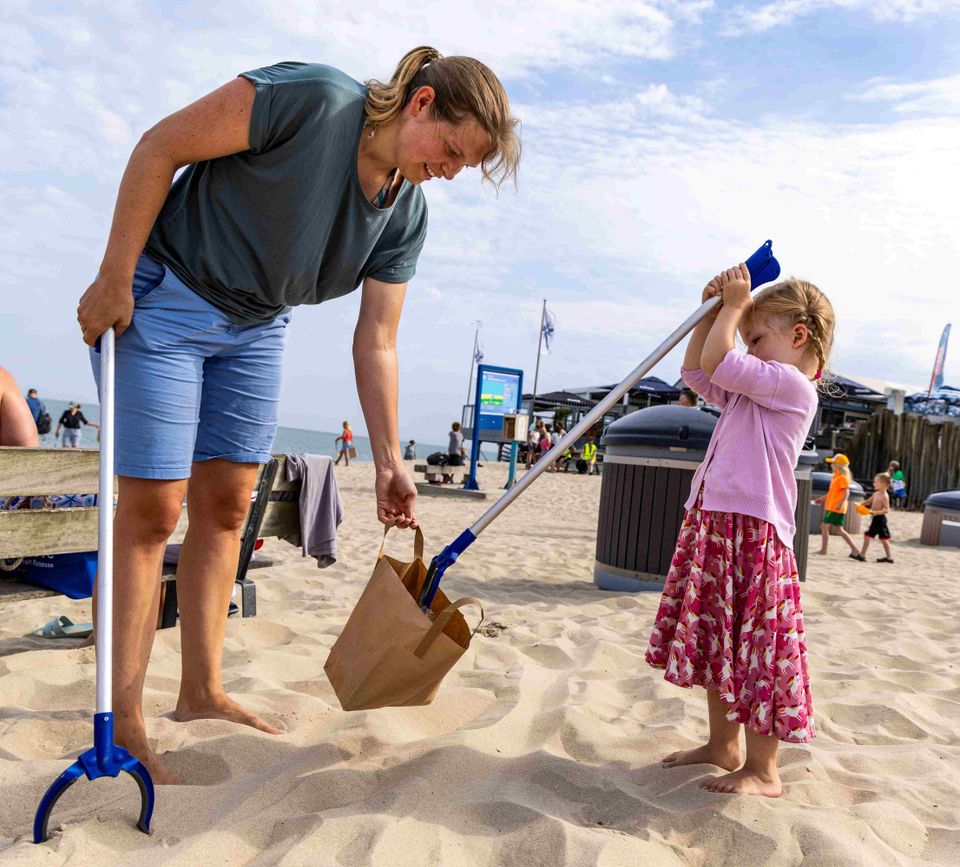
(106, 759)
(439, 564)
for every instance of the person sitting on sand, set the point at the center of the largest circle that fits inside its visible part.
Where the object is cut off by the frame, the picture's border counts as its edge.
(879, 504)
(730, 618)
(17, 427)
(835, 505)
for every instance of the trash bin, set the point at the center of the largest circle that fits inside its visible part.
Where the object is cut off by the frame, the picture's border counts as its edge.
(820, 483)
(941, 515)
(649, 461)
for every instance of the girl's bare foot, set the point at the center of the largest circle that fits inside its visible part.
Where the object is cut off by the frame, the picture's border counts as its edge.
(746, 782)
(725, 756)
(220, 707)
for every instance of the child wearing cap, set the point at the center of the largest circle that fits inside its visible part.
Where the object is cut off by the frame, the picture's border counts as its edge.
(835, 505)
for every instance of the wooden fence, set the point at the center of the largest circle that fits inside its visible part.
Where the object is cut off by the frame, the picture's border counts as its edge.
(928, 451)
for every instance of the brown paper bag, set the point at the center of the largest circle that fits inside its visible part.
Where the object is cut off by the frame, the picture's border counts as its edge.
(390, 653)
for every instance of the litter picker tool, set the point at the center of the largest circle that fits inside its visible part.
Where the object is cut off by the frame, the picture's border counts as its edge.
(763, 268)
(105, 759)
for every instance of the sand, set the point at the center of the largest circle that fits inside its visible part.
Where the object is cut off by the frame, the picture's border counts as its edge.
(544, 743)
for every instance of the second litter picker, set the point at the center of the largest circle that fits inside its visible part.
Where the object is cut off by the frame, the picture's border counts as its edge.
(763, 268)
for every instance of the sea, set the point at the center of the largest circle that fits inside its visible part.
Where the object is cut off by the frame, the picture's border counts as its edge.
(289, 440)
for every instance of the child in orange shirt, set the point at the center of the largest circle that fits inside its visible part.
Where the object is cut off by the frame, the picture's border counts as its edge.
(835, 505)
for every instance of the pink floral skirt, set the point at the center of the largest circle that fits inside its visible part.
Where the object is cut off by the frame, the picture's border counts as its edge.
(730, 619)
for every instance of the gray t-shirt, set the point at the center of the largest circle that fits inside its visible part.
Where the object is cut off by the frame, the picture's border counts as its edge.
(456, 443)
(286, 222)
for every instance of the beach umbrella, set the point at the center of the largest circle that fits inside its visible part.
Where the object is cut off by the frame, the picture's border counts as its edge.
(763, 268)
(105, 759)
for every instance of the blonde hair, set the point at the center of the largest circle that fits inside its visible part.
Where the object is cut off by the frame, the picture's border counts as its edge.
(845, 470)
(465, 88)
(797, 302)
(885, 479)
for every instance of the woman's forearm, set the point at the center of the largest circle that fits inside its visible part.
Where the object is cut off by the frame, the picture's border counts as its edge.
(377, 387)
(143, 190)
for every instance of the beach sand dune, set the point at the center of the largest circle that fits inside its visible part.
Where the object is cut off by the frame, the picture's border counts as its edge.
(544, 744)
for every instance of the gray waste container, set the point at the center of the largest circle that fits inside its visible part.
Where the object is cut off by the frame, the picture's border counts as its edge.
(650, 457)
(820, 483)
(941, 519)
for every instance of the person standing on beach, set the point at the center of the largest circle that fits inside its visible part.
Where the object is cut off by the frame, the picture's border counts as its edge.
(38, 409)
(301, 185)
(898, 484)
(410, 452)
(71, 421)
(835, 505)
(879, 505)
(346, 444)
(730, 619)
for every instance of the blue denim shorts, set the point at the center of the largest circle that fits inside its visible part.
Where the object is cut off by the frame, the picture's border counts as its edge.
(191, 385)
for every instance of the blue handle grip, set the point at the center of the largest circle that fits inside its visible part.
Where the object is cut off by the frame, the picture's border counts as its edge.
(762, 265)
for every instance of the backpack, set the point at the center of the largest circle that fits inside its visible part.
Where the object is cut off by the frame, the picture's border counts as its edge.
(437, 459)
(44, 423)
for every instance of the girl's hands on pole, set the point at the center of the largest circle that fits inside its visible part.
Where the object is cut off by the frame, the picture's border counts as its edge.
(712, 290)
(107, 301)
(735, 287)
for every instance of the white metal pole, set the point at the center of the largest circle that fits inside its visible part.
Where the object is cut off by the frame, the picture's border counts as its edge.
(473, 361)
(536, 370)
(105, 529)
(594, 415)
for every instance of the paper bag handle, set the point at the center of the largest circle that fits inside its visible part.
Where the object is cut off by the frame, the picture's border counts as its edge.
(417, 540)
(442, 618)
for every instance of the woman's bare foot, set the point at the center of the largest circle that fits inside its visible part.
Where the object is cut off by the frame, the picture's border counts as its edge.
(220, 707)
(140, 749)
(821, 553)
(746, 782)
(723, 756)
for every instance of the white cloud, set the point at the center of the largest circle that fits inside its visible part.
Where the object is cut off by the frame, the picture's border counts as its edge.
(744, 19)
(937, 96)
(625, 207)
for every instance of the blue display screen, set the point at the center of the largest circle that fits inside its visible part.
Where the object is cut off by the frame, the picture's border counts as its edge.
(499, 393)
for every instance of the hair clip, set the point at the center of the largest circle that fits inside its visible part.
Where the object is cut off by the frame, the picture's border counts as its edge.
(819, 373)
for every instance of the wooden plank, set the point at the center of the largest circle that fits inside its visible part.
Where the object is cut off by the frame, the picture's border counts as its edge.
(281, 519)
(14, 591)
(38, 472)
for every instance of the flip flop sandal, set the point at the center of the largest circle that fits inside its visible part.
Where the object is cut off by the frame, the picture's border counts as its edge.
(884, 560)
(64, 627)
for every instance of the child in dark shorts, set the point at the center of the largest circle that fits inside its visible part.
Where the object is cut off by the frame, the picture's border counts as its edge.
(879, 504)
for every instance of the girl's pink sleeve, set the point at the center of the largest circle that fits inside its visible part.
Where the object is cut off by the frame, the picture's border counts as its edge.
(768, 383)
(701, 384)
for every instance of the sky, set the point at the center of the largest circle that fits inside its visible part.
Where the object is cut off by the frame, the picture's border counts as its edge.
(663, 141)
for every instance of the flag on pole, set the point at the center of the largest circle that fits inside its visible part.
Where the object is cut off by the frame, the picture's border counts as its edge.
(548, 329)
(478, 354)
(936, 378)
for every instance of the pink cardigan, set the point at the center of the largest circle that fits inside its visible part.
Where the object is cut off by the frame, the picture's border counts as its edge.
(768, 408)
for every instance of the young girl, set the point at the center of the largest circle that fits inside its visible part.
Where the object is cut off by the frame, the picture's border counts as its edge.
(835, 505)
(730, 618)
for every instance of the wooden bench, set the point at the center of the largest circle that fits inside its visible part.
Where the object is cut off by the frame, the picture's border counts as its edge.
(274, 511)
(435, 473)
